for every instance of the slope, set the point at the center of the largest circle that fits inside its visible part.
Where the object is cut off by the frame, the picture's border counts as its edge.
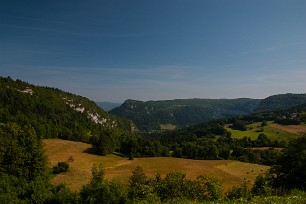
(55, 113)
(120, 168)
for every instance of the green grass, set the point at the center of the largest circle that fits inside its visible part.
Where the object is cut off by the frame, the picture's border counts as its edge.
(296, 197)
(271, 132)
(232, 173)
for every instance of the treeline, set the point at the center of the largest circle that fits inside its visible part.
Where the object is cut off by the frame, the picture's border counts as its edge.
(212, 141)
(24, 178)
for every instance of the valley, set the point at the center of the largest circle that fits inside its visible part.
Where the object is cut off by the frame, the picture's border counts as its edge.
(179, 113)
(48, 133)
(153, 102)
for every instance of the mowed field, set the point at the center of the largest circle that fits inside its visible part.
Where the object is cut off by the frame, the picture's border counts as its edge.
(294, 129)
(273, 131)
(232, 173)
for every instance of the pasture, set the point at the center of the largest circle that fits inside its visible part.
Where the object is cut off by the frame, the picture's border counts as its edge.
(232, 173)
(273, 131)
(294, 129)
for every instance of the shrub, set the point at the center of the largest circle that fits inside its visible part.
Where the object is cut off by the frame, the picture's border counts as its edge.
(60, 167)
(240, 192)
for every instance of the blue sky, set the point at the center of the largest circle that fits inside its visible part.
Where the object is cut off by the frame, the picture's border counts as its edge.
(151, 50)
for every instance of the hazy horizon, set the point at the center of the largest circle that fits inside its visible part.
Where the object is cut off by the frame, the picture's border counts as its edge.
(156, 50)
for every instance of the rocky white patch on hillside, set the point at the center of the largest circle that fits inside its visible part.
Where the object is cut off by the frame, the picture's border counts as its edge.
(94, 117)
(27, 91)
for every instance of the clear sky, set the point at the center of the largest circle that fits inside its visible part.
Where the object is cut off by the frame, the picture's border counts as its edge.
(113, 50)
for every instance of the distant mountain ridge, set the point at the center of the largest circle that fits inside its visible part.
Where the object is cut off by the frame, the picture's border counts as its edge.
(182, 112)
(107, 106)
(281, 102)
(151, 115)
(55, 113)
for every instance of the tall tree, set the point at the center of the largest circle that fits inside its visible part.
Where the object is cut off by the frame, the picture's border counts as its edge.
(291, 171)
(21, 152)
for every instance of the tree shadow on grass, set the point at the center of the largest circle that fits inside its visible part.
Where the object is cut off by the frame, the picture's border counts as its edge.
(91, 150)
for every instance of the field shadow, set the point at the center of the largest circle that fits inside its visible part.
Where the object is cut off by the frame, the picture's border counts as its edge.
(91, 150)
(94, 151)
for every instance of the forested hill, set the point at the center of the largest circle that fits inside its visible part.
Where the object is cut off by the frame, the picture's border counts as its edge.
(156, 115)
(152, 115)
(281, 102)
(55, 113)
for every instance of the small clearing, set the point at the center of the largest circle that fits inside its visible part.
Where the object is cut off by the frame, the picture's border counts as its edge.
(167, 126)
(254, 129)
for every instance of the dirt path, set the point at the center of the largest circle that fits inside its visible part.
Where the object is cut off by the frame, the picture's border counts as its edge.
(120, 163)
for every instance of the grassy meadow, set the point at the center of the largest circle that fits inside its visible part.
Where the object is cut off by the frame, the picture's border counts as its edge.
(232, 173)
(273, 131)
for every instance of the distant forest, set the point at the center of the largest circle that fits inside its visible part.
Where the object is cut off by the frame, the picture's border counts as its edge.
(151, 115)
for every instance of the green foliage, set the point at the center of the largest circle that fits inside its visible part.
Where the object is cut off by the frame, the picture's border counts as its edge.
(23, 175)
(57, 114)
(138, 177)
(264, 123)
(263, 185)
(239, 125)
(208, 188)
(288, 121)
(263, 141)
(295, 197)
(21, 152)
(173, 186)
(176, 186)
(39, 190)
(139, 147)
(97, 173)
(281, 102)
(62, 195)
(61, 167)
(107, 141)
(139, 187)
(290, 171)
(240, 192)
(102, 191)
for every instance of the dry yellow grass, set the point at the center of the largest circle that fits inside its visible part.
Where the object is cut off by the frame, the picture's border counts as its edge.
(167, 126)
(231, 172)
(294, 129)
